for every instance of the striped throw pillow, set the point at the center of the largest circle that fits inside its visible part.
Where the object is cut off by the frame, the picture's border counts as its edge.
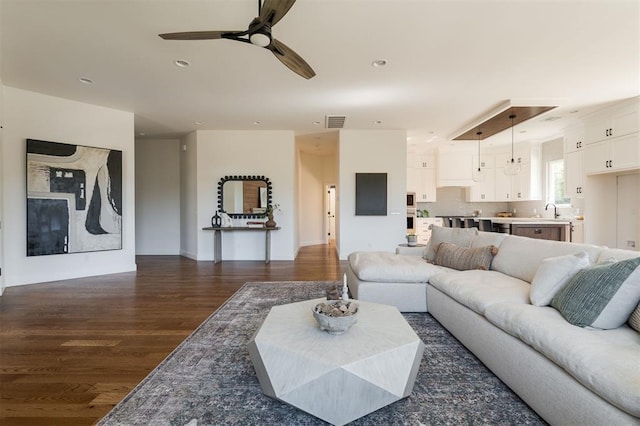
(462, 258)
(602, 296)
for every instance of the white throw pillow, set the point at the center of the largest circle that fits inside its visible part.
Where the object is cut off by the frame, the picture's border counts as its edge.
(552, 274)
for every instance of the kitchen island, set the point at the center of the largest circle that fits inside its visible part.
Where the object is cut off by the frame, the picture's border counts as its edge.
(541, 228)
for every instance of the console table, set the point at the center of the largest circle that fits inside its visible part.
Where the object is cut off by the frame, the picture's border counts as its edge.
(217, 239)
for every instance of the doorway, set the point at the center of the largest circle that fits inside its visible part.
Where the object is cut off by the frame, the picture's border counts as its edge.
(331, 215)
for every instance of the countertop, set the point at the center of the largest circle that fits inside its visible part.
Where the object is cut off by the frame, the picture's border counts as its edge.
(529, 220)
(523, 220)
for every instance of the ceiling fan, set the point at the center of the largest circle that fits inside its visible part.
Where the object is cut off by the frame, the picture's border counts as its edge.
(259, 34)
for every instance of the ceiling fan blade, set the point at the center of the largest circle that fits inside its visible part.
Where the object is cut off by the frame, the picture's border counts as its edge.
(274, 10)
(197, 35)
(291, 59)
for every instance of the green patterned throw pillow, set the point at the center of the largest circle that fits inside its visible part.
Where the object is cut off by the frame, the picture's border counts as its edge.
(602, 296)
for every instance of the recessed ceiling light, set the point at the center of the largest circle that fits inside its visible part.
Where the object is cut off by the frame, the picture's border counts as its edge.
(317, 123)
(198, 123)
(141, 134)
(182, 63)
(378, 63)
(256, 123)
(86, 80)
(523, 131)
(377, 122)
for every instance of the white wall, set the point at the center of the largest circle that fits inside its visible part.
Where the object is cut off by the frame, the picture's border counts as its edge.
(37, 116)
(263, 153)
(372, 151)
(157, 197)
(189, 196)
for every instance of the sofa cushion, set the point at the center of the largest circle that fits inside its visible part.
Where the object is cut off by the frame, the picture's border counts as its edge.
(617, 254)
(478, 289)
(602, 296)
(459, 236)
(604, 361)
(521, 256)
(553, 273)
(634, 319)
(462, 258)
(390, 267)
(483, 239)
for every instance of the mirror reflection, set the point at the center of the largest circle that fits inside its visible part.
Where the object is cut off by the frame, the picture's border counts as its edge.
(244, 196)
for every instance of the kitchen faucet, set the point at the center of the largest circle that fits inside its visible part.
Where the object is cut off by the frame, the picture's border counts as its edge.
(555, 210)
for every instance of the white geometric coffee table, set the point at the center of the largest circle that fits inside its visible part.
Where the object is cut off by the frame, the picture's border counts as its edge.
(337, 378)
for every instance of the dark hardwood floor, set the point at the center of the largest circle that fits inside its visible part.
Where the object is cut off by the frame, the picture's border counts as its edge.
(70, 350)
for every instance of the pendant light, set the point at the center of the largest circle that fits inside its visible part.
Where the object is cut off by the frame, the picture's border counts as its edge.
(478, 174)
(512, 168)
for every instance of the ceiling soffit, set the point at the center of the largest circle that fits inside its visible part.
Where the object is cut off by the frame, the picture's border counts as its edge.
(502, 121)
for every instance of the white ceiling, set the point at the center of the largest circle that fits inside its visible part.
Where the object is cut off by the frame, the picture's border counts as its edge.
(448, 62)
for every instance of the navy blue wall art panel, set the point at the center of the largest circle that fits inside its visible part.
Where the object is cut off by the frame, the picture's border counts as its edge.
(74, 198)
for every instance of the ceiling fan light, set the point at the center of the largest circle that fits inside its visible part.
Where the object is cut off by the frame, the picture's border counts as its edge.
(260, 39)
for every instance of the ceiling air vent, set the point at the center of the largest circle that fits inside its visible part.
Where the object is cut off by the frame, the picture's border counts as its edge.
(334, 121)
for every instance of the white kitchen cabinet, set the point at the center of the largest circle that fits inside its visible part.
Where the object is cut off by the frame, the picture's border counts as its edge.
(485, 190)
(423, 161)
(454, 167)
(426, 188)
(573, 174)
(526, 185)
(423, 230)
(574, 139)
(615, 122)
(421, 178)
(502, 185)
(577, 231)
(612, 155)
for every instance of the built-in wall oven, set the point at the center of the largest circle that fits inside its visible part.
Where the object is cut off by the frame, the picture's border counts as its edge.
(411, 201)
(411, 222)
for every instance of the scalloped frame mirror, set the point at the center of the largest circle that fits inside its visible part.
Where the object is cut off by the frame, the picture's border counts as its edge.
(244, 197)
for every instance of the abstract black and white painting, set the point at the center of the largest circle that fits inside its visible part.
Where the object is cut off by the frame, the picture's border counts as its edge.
(74, 198)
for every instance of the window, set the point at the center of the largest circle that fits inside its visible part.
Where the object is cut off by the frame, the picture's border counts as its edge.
(555, 184)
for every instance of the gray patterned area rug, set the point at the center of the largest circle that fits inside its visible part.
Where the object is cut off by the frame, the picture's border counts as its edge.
(209, 378)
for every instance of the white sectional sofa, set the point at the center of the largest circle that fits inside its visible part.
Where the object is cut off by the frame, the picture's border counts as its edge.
(569, 374)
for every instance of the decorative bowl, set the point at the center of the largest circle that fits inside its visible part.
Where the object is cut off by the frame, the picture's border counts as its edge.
(336, 316)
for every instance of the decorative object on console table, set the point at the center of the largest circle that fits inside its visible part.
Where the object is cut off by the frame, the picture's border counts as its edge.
(270, 208)
(412, 240)
(216, 220)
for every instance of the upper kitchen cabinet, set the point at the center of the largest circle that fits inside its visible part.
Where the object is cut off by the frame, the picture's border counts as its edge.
(454, 167)
(574, 139)
(614, 122)
(573, 174)
(497, 186)
(526, 185)
(617, 154)
(484, 190)
(421, 177)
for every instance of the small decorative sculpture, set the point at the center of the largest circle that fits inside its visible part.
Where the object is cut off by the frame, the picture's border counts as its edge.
(345, 289)
(226, 220)
(216, 220)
